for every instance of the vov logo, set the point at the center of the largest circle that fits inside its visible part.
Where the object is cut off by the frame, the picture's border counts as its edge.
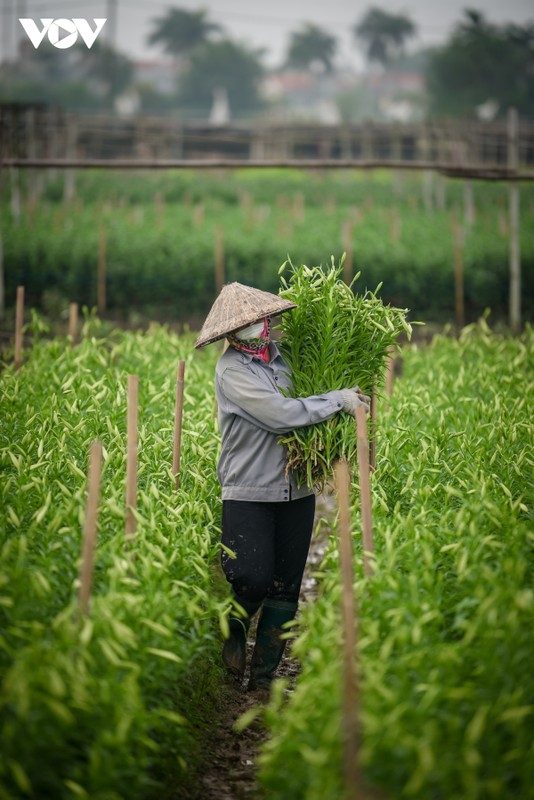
(62, 33)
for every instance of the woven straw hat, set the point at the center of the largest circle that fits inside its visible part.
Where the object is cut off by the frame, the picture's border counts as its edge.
(239, 306)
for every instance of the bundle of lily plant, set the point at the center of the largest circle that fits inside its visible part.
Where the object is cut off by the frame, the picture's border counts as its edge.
(334, 339)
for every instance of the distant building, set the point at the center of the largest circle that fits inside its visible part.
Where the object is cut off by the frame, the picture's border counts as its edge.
(306, 96)
(160, 75)
(302, 96)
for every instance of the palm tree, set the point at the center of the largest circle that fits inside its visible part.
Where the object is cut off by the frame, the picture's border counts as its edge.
(383, 34)
(179, 31)
(312, 44)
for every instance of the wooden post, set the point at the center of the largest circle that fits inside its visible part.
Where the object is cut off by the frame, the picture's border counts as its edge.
(458, 274)
(19, 318)
(73, 322)
(16, 204)
(365, 490)
(219, 258)
(515, 256)
(159, 205)
(441, 193)
(330, 205)
(131, 454)
(351, 738)
(372, 439)
(389, 370)
(346, 236)
(469, 204)
(178, 415)
(101, 277)
(395, 227)
(428, 190)
(247, 209)
(91, 516)
(2, 282)
(69, 175)
(299, 208)
(198, 214)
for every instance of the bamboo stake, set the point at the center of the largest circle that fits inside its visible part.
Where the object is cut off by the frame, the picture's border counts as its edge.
(365, 490)
(101, 287)
(159, 206)
(469, 204)
(16, 203)
(395, 225)
(346, 235)
(69, 185)
(178, 415)
(2, 282)
(458, 275)
(372, 440)
(219, 258)
(350, 694)
(73, 322)
(19, 318)
(91, 517)
(515, 255)
(299, 207)
(198, 214)
(390, 375)
(428, 188)
(131, 454)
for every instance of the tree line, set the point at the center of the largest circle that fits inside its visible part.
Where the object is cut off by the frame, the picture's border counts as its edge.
(481, 64)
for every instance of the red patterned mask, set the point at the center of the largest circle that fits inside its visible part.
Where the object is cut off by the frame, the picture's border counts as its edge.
(257, 347)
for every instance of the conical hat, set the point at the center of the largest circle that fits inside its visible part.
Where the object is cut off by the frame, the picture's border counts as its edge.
(239, 306)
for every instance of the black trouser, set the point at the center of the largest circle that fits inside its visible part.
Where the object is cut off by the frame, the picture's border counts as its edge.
(271, 543)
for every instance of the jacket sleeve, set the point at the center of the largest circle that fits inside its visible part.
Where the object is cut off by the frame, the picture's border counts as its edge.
(269, 409)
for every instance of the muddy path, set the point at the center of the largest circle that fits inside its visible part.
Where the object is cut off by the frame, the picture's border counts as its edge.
(229, 769)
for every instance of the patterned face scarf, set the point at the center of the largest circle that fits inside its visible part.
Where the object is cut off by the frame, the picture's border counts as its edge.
(253, 340)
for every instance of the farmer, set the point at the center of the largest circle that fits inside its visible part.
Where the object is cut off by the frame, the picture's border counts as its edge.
(267, 519)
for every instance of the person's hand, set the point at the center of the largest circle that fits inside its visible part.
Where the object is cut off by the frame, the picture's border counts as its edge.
(351, 401)
(364, 397)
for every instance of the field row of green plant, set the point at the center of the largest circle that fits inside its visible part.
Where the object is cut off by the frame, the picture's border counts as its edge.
(160, 240)
(446, 624)
(110, 705)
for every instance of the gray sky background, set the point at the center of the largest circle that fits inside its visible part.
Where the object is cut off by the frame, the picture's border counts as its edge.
(269, 24)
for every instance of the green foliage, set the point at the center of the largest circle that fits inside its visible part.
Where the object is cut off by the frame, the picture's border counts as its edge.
(222, 64)
(333, 339)
(179, 30)
(89, 80)
(107, 706)
(481, 62)
(383, 34)
(446, 624)
(310, 44)
(162, 264)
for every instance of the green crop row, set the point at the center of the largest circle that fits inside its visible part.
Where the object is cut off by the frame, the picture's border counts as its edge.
(446, 624)
(160, 255)
(110, 705)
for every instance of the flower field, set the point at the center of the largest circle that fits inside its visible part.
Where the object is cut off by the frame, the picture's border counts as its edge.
(446, 623)
(115, 704)
(107, 705)
(157, 236)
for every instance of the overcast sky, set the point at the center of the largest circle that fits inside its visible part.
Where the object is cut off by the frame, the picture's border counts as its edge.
(269, 24)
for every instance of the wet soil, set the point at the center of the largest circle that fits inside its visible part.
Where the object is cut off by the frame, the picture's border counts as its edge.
(229, 768)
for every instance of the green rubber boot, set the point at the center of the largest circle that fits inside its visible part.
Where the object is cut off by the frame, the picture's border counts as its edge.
(234, 652)
(269, 647)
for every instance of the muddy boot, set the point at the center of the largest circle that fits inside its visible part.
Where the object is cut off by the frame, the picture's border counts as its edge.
(234, 652)
(269, 648)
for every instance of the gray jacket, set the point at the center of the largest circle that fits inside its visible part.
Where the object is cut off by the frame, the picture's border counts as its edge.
(252, 414)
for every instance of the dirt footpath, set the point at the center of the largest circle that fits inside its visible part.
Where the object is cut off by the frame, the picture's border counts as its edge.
(230, 771)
